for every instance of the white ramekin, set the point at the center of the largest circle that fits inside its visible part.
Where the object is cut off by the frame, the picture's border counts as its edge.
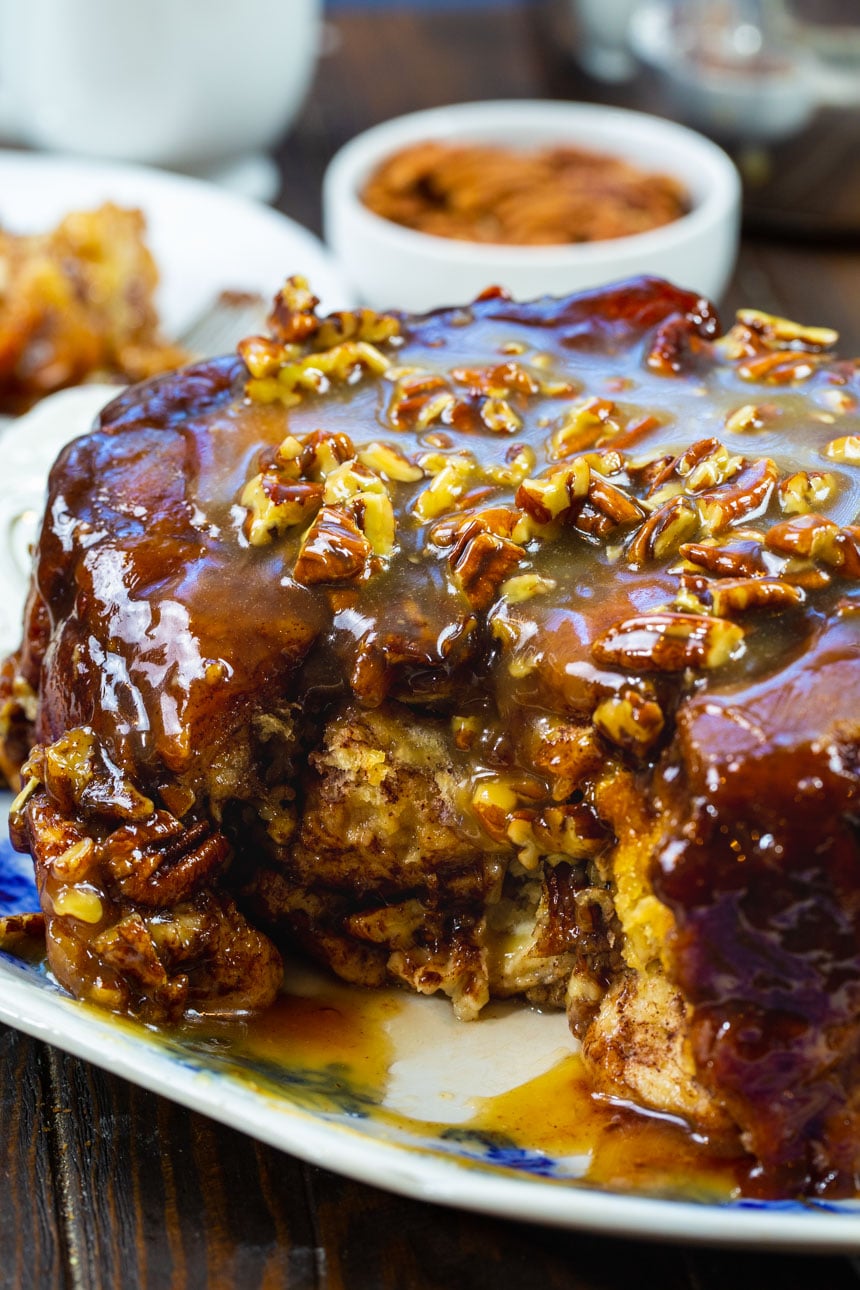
(391, 266)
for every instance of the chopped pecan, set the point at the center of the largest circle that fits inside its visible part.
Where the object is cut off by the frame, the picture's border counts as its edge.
(493, 801)
(356, 324)
(519, 462)
(501, 520)
(728, 596)
(631, 720)
(480, 562)
(750, 417)
(323, 452)
(635, 430)
(566, 752)
(782, 332)
(466, 731)
(782, 368)
(547, 497)
(498, 416)
(741, 560)
(819, 538)
(390, 463)
(593, 523)
(374, 515)
(499, 381)
(293, 318)
(710, 470)
(161, 861)
(798, 493)
(79, 775)
(451, 473)
(570, 831)
(275, 505)
(613, 502)
(838, 401)
(314, 373)
(664, 531)
(664, 476)
(669, 642)
(17, 929)
(349, 480)
(608, 462)
(742, 498)
(128, 948)
(845, 450)
(581, 428)
(334, 550)
(524, 586)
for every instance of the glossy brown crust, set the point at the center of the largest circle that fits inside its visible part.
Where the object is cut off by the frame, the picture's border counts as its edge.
(595, 602)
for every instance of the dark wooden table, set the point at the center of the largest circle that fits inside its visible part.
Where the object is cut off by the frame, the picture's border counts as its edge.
(104, 1185)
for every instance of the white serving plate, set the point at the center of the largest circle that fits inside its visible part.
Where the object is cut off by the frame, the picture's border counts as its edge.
(204, 239)
(388, 265)
(440, 1068)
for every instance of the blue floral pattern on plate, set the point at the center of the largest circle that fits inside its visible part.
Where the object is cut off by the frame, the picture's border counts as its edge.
(324, 1115)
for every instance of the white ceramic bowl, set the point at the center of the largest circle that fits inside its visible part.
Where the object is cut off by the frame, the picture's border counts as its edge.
(390, 266)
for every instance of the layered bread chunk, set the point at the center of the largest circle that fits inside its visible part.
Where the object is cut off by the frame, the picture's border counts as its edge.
(512, 650)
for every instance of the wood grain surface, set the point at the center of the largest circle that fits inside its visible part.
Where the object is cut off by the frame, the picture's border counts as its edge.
(106, 1186)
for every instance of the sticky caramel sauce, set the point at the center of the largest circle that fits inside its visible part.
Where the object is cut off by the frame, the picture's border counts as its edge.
(343, 1027)
(559, 1113)
(194, 623)
(342, 1034)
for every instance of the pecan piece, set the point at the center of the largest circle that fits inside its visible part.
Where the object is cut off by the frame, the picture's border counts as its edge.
(390, 463)
(703, 470)
(730, 596)
(293, 318)
(451, 473)
(501, 520)
(78, 774)
(498, 416)
(742, 560)
(323, 452)
(519, 461)
(275, 505)
(785, 367)
(525, 586)
(746, 496)
(819, 538)
(581, 428)
(669, 642)
(162, 862)
(17, 929)
(570, 831)
(334, 550)
(784, 333)
(613, 502)
(845, 450)
(751, 417)
(798, 493)
(547, 497)
(664, 531)
(480, 562)
(630, 720)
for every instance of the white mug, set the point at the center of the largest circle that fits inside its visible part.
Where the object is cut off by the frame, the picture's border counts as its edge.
(169, 82)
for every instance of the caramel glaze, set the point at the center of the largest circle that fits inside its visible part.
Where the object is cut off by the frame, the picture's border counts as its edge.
(153, 622)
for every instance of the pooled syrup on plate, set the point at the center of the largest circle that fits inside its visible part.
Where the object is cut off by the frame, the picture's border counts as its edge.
(348, 1034)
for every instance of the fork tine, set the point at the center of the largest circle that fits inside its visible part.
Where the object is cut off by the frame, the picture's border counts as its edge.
(231, 316)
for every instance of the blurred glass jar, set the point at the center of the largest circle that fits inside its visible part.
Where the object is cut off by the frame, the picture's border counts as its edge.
(184, 83)
(776, 82)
